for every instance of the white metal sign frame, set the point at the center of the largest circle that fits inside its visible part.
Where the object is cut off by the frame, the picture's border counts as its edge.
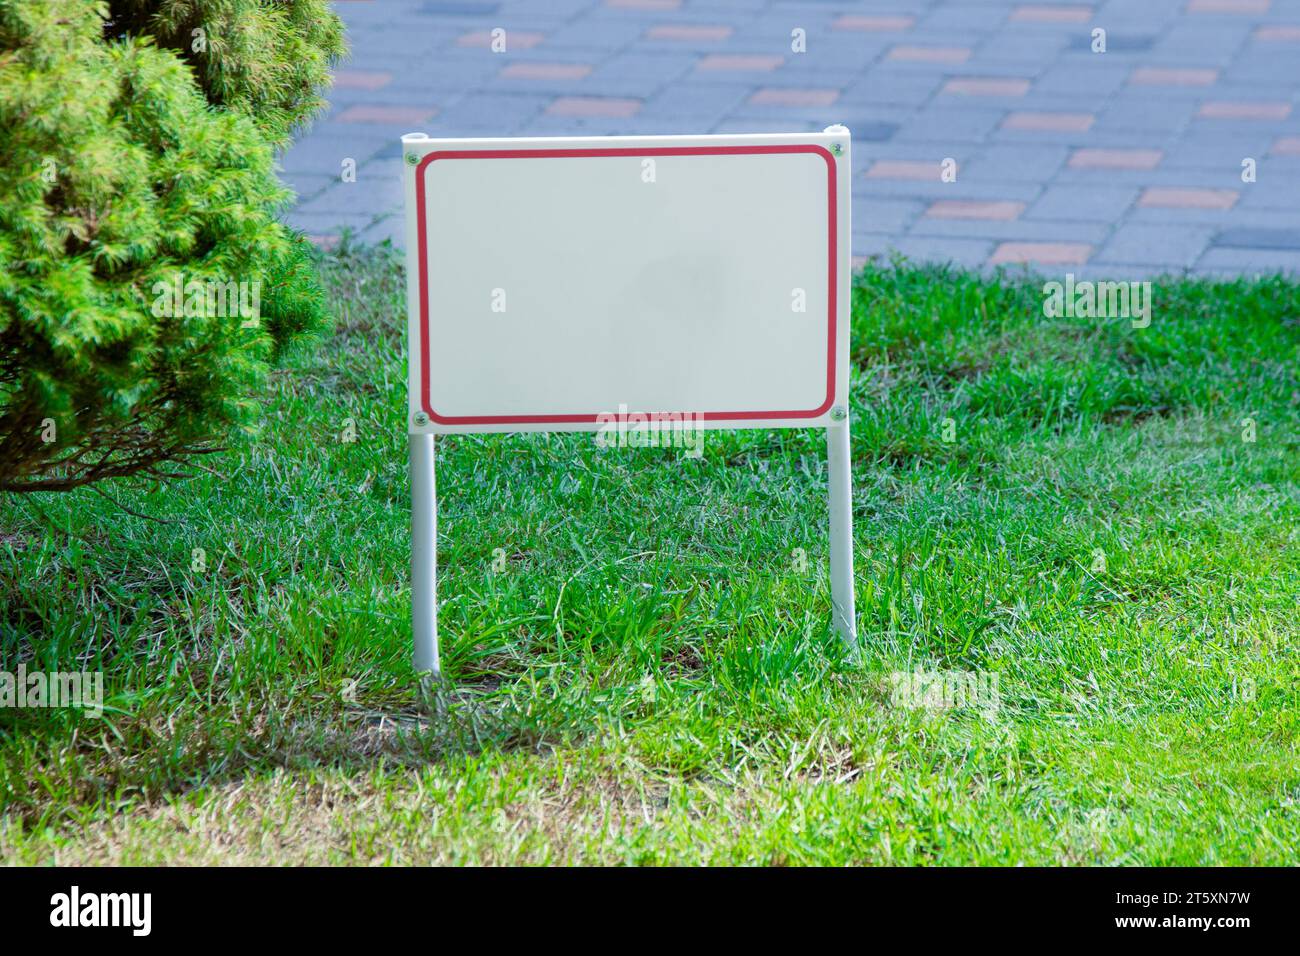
(457, 367)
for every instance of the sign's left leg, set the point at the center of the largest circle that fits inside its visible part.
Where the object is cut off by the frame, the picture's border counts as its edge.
(841, 508)
(424, 555)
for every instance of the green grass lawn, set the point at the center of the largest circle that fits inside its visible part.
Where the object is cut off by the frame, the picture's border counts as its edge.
(650, 675)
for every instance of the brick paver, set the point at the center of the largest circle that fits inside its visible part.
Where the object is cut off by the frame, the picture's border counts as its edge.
(986, 132)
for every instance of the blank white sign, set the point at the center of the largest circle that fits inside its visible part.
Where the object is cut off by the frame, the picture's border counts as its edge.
(555, 280)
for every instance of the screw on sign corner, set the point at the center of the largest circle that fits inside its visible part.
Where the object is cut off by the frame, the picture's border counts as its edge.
(837, 149)
(839, 413)
(412, 159)
(421, 419)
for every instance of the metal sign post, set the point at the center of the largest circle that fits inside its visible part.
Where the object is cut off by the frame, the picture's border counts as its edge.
(554, 284)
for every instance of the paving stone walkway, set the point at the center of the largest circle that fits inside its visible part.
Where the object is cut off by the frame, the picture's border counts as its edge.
(1177, 148)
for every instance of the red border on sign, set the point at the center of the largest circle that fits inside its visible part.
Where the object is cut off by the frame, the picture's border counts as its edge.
(423, 256)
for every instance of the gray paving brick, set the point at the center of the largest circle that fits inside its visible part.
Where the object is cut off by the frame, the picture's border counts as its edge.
(867, 131)
(307, 184)
(1140, 244)
(1225, 177)
(1036, 48)
(544, 53)
(401, 37)
(1207, 41)
(1019, 230)
(745, 125)
(1091, 203)
(911, 90)
(961, 189)
(1094, 271)
(690, 100)
(1271, 195)
(1145, 115)
(975, 19)
(555, 10)
(322, 155)
(568, 86)
(546, 125)
(603, 36)
(888, 216)
(460, 8)
(1015, 163)
(867, 153)
(919, 150)
(390, 227)
(962, 252)
(378, 189)
(1260, 70)
(1093, 77)
(1246, 217)
(873, 246)
(1257, 238)
(1251, 261)
(1118, 42)
(1148, 215)
(326, 224)
(1215, 152)
(1093, 138)
(811, 77)
(952, 123)
(506, 110)
(1152, 13)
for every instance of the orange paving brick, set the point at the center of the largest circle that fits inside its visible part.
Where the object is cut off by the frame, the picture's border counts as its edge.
(1174, 197)
(1035, 13)
(904, 169)
(1225, 109)
(877, 24)
(792, 96)
(1229, 6)
(687, 31)
(930, 54)
(514, 39)
(593, 106)
(1278, 33)
(361, 79)
(1169, 76)
(739, 62)
(1116, 158)
(386, 114)
(1043, 253)
(546, 71)
(1000, 210)
(986, 86)
(1049, 122)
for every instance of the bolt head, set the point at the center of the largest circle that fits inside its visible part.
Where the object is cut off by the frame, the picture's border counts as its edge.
(839, 413)
(421, 418)
(837, 149)
(412, 159)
